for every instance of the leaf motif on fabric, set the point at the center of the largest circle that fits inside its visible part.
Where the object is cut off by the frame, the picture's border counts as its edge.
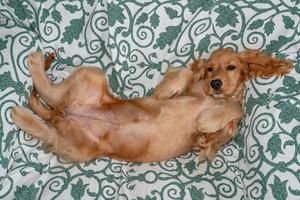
(7, 81)
(227, 16)
(39, 167)
(289, 143)
(115, 13)
(45, 14)
(274, 145)
(155, 66)
(25, 192)
(56, 16)
(167, 37)
(279, 190)
(21, 11)
(261, 100)
(171, 12)
(3, 44)
(114, 81)
(288, 22)
(275, 45)
(154, 20)
(204, 44)
(196, 193)
(190, 166)
(4, 163)
(71, 8)
(193, 5)
(280, 55)
(250, 103)
(290, 85)
(9, 138)
(288, 111)
(78, 189)
(142, 18)
(90, 2)
(239, 140)
(73, 31)
(295, 131)
(147, 198)
(68, 61)
(256, 24)
(295, 192)
(269, 27)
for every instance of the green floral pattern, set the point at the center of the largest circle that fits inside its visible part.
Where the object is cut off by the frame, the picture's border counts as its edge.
(135, 42)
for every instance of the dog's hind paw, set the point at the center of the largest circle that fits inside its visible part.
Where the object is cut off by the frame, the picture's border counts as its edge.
(35, 61)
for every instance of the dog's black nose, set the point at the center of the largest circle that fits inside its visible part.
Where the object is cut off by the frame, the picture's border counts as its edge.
(216, 84)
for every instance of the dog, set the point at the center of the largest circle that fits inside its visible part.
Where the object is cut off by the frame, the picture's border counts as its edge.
(86, 121)
(222, 76)
(81, 120)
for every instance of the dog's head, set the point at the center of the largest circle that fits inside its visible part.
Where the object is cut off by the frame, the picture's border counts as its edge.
(226, 71)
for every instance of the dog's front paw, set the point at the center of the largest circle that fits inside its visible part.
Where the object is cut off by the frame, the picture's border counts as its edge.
(206, 126)
(174, 84)
(207, 147)
(35, 61)
(164, 93)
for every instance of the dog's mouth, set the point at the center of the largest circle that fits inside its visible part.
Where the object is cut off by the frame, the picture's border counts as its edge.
(218, 95)
(214, 93)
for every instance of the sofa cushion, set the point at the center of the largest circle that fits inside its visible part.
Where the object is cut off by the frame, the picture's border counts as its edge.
(135, 43)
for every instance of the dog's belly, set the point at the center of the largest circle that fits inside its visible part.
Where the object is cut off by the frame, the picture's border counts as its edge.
(169, 140)
(92, 138)
(168, 133)
(143, 142)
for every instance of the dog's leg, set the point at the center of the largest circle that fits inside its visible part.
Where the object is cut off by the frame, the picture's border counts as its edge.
(175, 82)
(219, 123)
(50, 93)
(210, 143)
(37, 106)
(218, 115)
(49, 135)
(85, 85)
(35, 101)
(30, 123)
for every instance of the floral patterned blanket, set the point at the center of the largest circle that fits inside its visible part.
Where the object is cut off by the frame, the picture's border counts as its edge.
(135, 42)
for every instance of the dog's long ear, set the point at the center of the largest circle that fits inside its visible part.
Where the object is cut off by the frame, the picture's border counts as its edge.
(258, 64)
(198, 69)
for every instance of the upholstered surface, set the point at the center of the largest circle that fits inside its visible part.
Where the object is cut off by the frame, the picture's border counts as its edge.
(135, 43)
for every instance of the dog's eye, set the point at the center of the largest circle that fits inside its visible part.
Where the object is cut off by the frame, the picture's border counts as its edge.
(230, 67)
(210, 69)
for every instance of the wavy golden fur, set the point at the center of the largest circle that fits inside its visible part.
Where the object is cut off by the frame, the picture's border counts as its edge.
(222, 76)
(82, 120)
